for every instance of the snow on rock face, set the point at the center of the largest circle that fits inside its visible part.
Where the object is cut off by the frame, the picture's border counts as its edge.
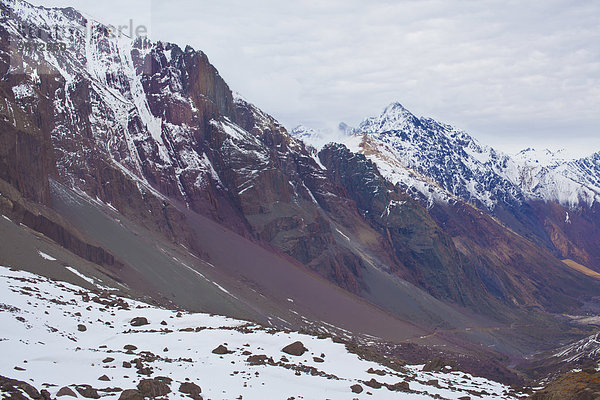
(115, 98)
(586, 348)
(441, 163)
(394, 117)
(23, 91)
(62, 335)
(46, 256)
(544, 158)
(549, 176)
(308, 136)
(434, 159)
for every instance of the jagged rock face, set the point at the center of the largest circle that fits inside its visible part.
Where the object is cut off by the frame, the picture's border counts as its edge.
(502, 258)
(26, 158)
(428, 153)
(284, 193)
(440, 165)
(472, 260)
(140, 125)
(427, 254)
(422, 150)
(573, 233)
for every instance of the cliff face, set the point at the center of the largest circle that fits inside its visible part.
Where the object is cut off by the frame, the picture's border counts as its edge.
(26, 156)
(425, 254)
(154, 131)
(455, 252)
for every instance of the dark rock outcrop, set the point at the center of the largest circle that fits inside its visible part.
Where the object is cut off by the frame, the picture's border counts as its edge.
(437, 365)
(220, 349)
(139, 321)
(66, 391)
(356, 388)
(131, 394)
(295, 349)
(584, 385)
(191, 389)
(158, 386)
(15, 389)
(87, 391)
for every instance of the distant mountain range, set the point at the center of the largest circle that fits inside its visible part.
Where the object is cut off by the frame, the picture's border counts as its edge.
(408, 238)
(439, 164)
(471, 171)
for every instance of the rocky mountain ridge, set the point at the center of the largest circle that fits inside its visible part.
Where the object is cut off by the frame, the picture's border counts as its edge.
(439, 164)
(480, 174)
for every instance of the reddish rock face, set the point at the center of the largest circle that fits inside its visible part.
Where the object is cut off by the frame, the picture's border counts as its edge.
(455, 251)
(26, 155)
(574, 233)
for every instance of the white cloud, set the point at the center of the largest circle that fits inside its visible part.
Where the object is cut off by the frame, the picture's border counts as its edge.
(512, 73)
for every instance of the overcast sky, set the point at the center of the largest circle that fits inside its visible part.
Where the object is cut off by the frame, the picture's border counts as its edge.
(511, 73)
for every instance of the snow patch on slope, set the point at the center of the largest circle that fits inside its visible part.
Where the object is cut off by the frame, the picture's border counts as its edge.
(61, 334)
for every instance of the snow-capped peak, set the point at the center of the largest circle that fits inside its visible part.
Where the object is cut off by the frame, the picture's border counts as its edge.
(302, 132)
(543, 158)
(394, 117)
(312, 137)
(441, 162)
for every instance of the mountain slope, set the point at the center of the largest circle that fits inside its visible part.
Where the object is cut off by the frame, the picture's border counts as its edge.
(440, 165)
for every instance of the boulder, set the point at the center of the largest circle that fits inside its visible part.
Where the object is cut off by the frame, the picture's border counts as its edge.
(295, 349)
(87, 391)
(220, 349)
(155, 387)
(139, 321)
(436, 365)
(356, 388)
(66, 391)
(374, 383)
(191, 389)
(399, 387)
(131, 394)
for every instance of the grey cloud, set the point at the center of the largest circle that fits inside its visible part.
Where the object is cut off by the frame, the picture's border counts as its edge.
(512, 73)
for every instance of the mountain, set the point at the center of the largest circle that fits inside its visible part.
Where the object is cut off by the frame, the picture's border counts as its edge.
(147, 141)
(123, 149)
(541, 195)
(133, 162)
(464, 168)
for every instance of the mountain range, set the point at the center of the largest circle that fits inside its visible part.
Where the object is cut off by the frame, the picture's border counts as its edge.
(132, 160)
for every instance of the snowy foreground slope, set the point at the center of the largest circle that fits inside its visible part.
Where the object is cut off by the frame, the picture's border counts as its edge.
(56, 335)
